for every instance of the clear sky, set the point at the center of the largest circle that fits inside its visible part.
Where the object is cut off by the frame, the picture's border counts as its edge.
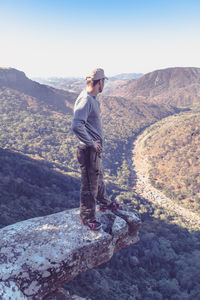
(64, 38)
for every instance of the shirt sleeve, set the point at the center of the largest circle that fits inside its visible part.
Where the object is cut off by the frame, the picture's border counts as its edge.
(81, 112)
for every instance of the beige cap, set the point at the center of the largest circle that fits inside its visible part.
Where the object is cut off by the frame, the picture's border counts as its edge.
(97, 74)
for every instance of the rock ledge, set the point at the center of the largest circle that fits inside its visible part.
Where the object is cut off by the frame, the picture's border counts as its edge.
(38, 255)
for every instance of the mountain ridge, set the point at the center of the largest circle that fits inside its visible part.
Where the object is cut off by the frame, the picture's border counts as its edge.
(55, 99)
(177, 86)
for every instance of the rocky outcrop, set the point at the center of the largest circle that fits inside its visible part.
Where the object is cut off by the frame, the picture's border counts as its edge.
(11, 76)
(38, 255)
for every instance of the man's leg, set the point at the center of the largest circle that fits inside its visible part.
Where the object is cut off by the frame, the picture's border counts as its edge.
(89, 183)
(101, 194)
(104, 201)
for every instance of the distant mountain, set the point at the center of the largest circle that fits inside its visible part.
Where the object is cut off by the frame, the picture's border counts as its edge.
(77, 84)
(55, 80)
(115, 83)
(175, 86)
(71, 84)
(37, 96)
(126, 76)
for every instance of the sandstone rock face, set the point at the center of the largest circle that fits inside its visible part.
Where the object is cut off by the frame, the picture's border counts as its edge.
(12, 76)
(38, 255)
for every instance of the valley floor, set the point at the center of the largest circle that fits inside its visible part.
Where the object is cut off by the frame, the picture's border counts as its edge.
(144, 188)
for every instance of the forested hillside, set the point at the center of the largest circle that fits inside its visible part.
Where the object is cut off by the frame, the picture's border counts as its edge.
(173, 149)
(122, 120)
(39, 175)
(31, 188)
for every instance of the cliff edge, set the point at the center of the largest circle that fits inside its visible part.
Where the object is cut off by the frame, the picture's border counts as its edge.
(38, 255)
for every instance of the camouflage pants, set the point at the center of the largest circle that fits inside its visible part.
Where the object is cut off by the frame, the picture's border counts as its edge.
(92, 185)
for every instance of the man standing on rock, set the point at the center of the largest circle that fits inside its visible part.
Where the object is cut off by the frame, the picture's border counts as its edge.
(87, 126)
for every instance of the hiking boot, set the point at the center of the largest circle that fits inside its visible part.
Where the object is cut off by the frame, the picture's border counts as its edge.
(93, 225)
(112, 206)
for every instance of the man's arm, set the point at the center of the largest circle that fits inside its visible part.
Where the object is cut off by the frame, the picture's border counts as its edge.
(81, 112)
(78, 126)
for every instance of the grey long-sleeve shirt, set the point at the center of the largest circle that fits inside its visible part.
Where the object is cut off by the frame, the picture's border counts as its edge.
(86, 122)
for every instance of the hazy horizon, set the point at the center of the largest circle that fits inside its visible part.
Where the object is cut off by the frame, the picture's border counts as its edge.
(69, 39)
